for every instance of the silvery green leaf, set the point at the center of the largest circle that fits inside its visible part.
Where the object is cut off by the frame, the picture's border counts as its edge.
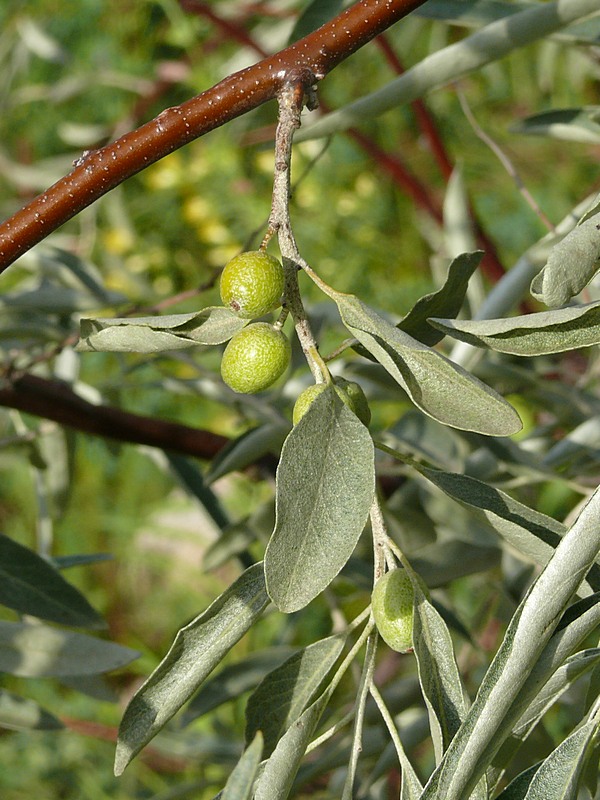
(33, 650)
(447, 301)
(532, 533)
(210, 326)
(440, 388)
(569, 124)
(248, 448)
(559, 775)
(489, 721)
(438, 674)
(517, 788)
(571, 265)
(324, 490)
(233, 540)
(280, 770)
(580, 619)
(580, 447)
(197, 649)
(476, 13)
(31, 585)
(21, 714)
(591, 211)
(446, 560)
(241, 781)
(565, 676)
(234, 680)
(127, 338)
(459, 234)
(540, 333)
(284, 694)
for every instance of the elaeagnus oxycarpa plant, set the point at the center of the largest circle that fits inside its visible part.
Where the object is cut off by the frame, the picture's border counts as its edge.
(398, 467)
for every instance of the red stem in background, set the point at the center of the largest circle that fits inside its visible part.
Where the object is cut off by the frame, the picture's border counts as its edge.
(424, 118)
(307, 61)
(491, 265)
(233, 30)
(399, 173)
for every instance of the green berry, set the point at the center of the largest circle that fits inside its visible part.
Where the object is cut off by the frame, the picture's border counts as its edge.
(392, 604)
(354, 397)
(255, 357)
(252, 284)
(348, 391)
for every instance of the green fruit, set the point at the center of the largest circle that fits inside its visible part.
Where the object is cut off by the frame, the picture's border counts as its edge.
(255, 357)
(252, 284)
(349, 392)
(392, 604)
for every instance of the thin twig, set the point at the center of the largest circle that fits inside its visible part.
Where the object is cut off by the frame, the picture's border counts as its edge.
(291, 100)
(360, 705)
(408, 772)
(503, 158)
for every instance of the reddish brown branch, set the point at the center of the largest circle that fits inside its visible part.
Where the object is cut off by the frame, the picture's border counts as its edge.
(96, 173)
(56, 401)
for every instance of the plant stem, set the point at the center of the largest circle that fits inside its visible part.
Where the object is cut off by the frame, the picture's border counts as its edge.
(291, 99)
(363, 692)
(408, 773)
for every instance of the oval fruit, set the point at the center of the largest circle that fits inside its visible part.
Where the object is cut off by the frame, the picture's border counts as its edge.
(252, 284)
(255, 357)
(348, 391)
(392, 603)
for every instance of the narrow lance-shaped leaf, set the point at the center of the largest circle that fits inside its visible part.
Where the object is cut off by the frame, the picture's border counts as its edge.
(488, 722)
(325, 486)
(573, 668)
(209, 326)
(489, 44)
(530, 334)
(22, 714)
(447, 301)
(284, 694)
(234, 680)
(440, 388)
(558, 776)
(580, 619)
(532, 533)
(569, 124)
(517, 788)
(248, 449)
(281, 768)
(36, 650)
(241, 781)
(483, 12)
(571, 265)
(197, 649)
(30, 585)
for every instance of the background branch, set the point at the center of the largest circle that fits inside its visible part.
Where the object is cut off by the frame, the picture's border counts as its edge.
(54, 400)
